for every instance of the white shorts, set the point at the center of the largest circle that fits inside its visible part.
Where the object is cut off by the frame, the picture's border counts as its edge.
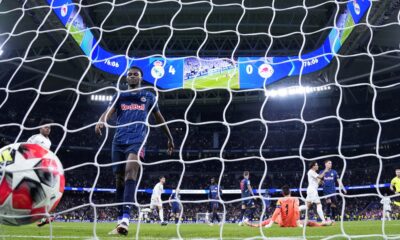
(387, 209)
(155, 203)
(312, 196)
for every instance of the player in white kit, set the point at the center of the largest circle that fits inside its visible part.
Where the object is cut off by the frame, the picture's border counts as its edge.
(156, 201)
(42, 139)
(314, 179)
(387, 209)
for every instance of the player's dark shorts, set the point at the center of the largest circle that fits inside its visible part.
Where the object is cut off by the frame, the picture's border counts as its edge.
(214, 205)
(248, 202)
(175, 208)
(333, 198)
(120, 152)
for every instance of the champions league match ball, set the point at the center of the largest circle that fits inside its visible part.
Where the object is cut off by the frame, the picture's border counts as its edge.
(31, 183)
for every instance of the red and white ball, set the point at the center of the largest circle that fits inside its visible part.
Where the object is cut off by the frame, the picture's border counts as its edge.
(31, 183)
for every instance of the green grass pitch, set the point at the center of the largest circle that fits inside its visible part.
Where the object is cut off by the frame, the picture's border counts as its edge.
(218, 80)
(62, 230)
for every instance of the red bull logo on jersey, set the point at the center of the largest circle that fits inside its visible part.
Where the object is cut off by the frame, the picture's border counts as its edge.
(132, 106)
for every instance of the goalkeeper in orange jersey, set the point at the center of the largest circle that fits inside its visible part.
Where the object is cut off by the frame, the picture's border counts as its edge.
(287, 213)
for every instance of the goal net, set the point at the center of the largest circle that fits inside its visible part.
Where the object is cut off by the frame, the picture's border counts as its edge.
(259, 86)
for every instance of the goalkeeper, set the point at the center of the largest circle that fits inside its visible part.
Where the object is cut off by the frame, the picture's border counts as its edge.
(287, 213)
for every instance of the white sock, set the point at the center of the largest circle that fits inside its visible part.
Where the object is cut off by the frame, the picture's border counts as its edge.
(320, 212)
(302, 208)
(161, 213)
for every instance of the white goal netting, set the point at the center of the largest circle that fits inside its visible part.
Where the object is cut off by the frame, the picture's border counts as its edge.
(247, 89)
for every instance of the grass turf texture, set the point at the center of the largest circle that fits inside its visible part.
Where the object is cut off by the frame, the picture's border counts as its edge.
(218, 80)
(62, 230)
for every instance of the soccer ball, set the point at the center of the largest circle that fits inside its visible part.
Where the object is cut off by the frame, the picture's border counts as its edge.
(31, 183)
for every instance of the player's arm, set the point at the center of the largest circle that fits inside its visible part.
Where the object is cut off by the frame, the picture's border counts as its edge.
(159, 196)
(104, 118)
(392, 185)
(161, 120)
(322, 174)
(170, 200)
(250, 189)
(275, 215)
(341, 186)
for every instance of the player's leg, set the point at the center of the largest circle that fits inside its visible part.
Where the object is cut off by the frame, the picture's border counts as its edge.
(267, 223)
(328, 207)
(242, 213)
(177, 214)
(118, 155)
(131, 172)
(161, 214)
(252, 208)
(153, 209)
(312, 197)
(389, 213)
(333, 207)
(308, 207)
(215, 212)
(313, 224)
(320, 212)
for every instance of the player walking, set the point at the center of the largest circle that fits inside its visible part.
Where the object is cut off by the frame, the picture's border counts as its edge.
(156, 201)
(312, 190)
(132, 109)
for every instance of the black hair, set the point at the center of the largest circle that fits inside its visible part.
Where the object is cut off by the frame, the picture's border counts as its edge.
(312, 164)
(137, 68)
(285, 190)
(45, 121)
